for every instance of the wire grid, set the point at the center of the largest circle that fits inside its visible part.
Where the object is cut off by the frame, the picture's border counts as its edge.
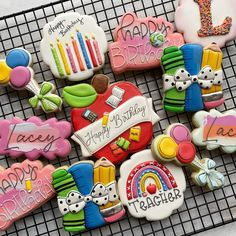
(202, 209)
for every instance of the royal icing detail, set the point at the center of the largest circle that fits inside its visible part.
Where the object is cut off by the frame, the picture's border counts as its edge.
(139, 42)
(24, 187)
(127, 108)
(206, 21)
(34, 138)
(87, 196)
(73, 46)
(176, 146)
(215, 130)
(150, 189)
(16, 71)
(193, 77)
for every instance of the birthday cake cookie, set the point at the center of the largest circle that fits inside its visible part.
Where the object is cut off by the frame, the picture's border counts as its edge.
(139, 42)
(151, 189)
(87, 195)
(113, 123)
(73, 46)
(192, 77)
(206, 21)
(24, 187)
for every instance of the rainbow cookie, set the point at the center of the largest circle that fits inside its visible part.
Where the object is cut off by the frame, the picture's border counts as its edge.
(175, 145)
(87, 196)
(215, 130)
(139, 42)
(24, 187)
(151, 189)
(73, 46)
(16, 71)
(113, 123)
(34, 138)
(206, 21)
(193, 77)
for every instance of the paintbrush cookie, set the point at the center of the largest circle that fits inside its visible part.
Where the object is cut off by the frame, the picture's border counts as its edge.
(24, 187)
(73, 46)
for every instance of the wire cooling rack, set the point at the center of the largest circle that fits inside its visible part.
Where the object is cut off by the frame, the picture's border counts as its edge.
(202, 209)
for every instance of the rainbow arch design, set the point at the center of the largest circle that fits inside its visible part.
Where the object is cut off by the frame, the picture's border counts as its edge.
(135, 185)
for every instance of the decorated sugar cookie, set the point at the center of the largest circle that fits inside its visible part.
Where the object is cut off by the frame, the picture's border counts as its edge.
(206, 21)
(151, 189)
(24, 187)
(193, 78)
(139, 42)
(215, 130)
(87, 195)
(34, 138)
(113, 123)
(16, 71)
(176, 146)
(73, 46)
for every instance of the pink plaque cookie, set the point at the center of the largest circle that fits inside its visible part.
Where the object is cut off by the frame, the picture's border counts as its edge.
(23, 188)
(34, 138)
(139, 42)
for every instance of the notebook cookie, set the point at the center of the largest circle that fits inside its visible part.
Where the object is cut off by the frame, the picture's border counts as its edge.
(139, 42)
(176, 146)
(24, 187)
(150, 189)
(73, 46)
(215, 130)
(112, 124)
(17, 72)
(34, 138)
(206, 21)
(192, 78)
(87, 195)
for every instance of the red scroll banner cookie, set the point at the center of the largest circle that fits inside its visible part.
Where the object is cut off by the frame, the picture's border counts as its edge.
(34, 138)
(113, 124)
(23, 188)
(140, 42)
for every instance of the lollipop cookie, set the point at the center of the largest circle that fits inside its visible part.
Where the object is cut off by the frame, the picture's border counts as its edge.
(17, 72)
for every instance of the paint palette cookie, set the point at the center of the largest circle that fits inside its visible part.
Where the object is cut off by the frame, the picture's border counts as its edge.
(73, 46)
(176, 146)
(87, 195)
(114, 123)
(192, 78)
(24, 187)
(139, 42)
(215, 130)
(17, 72)
(151, 189)
(206, 21)
(34, 138)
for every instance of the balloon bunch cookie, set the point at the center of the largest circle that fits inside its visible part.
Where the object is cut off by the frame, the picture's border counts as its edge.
(176, 146)
(110, 120)
(16, 71)
(87, 195)
(192, 77)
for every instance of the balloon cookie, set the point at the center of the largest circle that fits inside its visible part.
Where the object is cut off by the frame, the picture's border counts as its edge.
(34, 138)
(193, 77)
(215, 130)
(114, 123)
(150, 189)
(16, 71)
(139, 42)
(87, 195)
(206, 21)
(176, 146)
(24, 187)
(73, 46)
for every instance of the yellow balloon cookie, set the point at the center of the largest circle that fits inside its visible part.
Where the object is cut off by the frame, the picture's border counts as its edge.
(5, 72)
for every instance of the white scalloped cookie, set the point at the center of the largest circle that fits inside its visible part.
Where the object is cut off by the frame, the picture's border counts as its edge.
(73, 46)
(206, 21)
